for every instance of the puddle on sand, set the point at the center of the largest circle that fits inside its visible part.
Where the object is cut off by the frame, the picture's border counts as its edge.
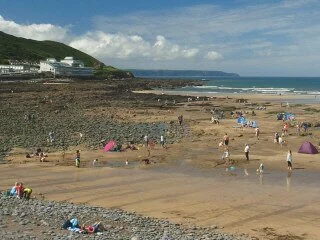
(298, 178)
(113, 164)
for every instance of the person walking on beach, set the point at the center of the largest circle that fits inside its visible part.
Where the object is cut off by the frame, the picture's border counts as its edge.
(226, 155)
(146, 140)
(246, 151)
(257, 132)
(276, 137)
(226, 139)
(289, 160)
(78, 158)
(162, 141)
(285, 128)
(180, 119)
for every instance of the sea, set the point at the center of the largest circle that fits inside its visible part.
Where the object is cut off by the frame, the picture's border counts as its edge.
(282, 86)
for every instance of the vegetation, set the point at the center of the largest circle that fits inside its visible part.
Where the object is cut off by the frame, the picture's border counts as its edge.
(15, 48)
(109, 72)
(32, 51)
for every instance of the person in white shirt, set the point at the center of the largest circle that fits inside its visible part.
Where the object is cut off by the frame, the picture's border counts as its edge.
(246, 151)
(162, 141)
(94, 163)
(289, 160)
(146, 140)
(226, 155)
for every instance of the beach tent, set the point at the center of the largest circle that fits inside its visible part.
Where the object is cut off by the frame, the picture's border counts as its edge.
(109, 146)
(242, 120)
(289, 116)
(254, 124)
(286, 116)
(308, 148)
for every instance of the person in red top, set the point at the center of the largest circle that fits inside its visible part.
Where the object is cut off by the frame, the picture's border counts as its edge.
(20, 190)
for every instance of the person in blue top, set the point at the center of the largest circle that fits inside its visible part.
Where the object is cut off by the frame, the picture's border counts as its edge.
(13, 191)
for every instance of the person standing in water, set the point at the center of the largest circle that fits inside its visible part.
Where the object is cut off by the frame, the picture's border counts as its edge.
(78, 158)
(289, 160)
(246, 151)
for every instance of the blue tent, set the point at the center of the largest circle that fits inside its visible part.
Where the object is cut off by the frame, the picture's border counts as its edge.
(254, 124)
(242, 120)
(286, 116)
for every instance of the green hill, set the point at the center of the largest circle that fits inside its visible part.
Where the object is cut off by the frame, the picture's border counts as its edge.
(17, 48)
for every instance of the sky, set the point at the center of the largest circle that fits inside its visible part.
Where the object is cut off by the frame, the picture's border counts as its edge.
(248, 37)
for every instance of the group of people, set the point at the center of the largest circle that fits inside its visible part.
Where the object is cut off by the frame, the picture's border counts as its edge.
(19, 191)
(74, 226)
(226, 153)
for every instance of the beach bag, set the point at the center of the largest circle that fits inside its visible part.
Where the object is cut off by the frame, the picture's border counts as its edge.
(66, 224)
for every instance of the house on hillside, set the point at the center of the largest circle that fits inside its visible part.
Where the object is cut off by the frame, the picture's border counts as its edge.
(7, 69)
(68, 67)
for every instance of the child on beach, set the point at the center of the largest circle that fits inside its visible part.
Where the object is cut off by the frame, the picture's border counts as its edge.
(261, 168)
(94, 163)
(289, 160)
(27, 193)
(226, 155)
(78, 158)
(13, 191)
(20, 189)
(226, 139)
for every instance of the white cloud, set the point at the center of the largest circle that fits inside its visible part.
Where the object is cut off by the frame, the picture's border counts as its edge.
(122, 46)
(34, 31)
(212, 55)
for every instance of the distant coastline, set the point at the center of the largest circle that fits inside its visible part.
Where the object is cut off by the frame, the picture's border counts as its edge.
(180, 73)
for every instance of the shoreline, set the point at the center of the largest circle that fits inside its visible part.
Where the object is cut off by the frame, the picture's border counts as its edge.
(288, 97)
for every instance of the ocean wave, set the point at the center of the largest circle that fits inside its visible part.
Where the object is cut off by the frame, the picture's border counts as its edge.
(252, 89)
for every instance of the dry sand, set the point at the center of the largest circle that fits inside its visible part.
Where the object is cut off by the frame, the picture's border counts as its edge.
(185, 184)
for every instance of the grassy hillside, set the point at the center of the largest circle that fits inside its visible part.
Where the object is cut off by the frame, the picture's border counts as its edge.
(109, 72)
(16, 48)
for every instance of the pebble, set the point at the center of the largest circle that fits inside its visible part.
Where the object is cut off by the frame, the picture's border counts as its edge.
(31, 221)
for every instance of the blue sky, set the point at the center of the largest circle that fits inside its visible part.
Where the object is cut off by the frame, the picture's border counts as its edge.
(252, 38)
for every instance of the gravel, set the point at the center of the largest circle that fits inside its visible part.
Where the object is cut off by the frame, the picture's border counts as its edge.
(41, 219)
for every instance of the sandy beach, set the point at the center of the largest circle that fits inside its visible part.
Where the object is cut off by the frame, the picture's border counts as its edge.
(187, 182)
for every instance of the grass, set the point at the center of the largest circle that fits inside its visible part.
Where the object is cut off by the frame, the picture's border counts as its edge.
(32, 51)
(15, 48)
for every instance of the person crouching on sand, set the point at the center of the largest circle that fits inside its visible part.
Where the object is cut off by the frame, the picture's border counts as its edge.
(20, 190)
(13, 191)
(27, 193)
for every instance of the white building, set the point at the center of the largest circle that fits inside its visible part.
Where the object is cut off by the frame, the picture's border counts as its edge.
(66, 67)
(14, 68)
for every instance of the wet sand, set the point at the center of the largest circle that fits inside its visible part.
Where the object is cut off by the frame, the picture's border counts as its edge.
(238, 203)
(186, 183)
